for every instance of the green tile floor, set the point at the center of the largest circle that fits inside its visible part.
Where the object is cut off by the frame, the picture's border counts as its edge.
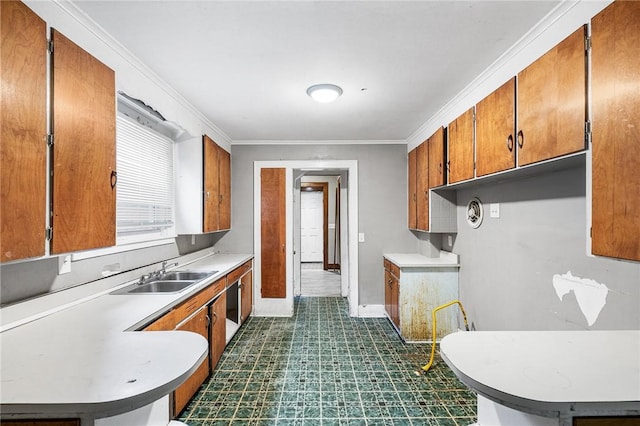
(322, 367)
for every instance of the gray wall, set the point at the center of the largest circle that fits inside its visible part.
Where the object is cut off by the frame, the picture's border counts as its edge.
(508, 263)
(382, 171)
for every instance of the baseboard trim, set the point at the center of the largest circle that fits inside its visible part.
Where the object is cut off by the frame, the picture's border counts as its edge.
(371, 311)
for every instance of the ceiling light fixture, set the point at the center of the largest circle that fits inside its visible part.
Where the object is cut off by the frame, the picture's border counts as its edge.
(324, 93)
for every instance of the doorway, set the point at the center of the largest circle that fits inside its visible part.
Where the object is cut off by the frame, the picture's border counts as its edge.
(348, 241)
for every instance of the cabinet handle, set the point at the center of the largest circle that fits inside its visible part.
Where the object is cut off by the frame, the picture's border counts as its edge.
(208, 319)
(215, 318)
(510, 142)
(207, 195)
(114, 178)
(426, 194)
(414, 196)
(220, 199)
(520, 138)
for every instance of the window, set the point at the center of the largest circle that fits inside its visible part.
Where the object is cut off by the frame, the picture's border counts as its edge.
(145, 189)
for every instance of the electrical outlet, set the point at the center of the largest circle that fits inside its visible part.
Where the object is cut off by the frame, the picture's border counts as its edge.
(64, 264)
(361, 237)
(494, 210)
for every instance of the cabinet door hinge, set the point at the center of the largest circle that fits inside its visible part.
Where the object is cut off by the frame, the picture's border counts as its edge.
(48, 233)
(587, 43)
(587, 133)
(50, 46)
(50, 139)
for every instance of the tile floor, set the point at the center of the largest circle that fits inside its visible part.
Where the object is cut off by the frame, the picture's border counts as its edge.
(322, 367)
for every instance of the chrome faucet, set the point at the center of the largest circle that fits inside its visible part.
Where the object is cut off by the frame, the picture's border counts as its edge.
(163, 270)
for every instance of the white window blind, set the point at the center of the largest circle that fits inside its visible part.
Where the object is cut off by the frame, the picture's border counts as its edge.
(144, 197)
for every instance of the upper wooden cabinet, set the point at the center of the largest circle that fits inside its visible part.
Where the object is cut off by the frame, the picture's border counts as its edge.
(217, 186)
(23, 130)
(495, 124)
(552, 102)
(436, 158)
(615, 61)
(461, 147)
(412, 198)
(84, 150)
(422, 187)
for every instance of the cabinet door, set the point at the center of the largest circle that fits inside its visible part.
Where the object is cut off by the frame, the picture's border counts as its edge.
(436, 158)
(218, 339)
(395, 298)
(411, 184)
(272, 232)
(552, 102)
(460, 134)
(224, 183)
(422, 187)
(23, 127)
(387, 293)
(198, 323)
(84, 149)
(246, 285)
(615, 61)
(495, 146)
(211, 200)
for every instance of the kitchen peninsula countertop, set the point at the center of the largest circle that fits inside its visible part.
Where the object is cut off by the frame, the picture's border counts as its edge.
(81, 360)
(556, 374)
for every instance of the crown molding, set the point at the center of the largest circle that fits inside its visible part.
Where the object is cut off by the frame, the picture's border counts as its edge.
(318, 142)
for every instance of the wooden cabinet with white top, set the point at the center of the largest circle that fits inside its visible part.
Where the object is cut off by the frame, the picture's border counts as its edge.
(414, 286)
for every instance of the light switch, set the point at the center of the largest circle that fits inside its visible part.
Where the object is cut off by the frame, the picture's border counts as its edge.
(64, 264)
(494, 210)
(361, 237)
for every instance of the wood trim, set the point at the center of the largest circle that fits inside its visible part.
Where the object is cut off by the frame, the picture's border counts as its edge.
(273, 233)
(84, 150)
(324, 187)
(23, 127)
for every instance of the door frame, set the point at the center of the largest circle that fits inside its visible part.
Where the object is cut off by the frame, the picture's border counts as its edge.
(324, 188)
(284, 307)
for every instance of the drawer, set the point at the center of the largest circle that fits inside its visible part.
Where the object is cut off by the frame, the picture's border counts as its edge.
(393, 268)
(188, 307)
(235, 275)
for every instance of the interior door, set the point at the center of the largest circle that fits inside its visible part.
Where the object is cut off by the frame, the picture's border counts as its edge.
(311, 226)
(272, 232)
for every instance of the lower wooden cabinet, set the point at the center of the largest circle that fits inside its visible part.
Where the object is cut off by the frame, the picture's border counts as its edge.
(391, 290)
(246, 296)
(198, 323)
(218, 337)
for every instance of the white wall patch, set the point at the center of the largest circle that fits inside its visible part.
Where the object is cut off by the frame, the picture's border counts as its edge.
(591, 295)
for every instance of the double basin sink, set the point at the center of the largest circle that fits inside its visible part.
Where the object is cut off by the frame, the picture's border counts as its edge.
(169, 282)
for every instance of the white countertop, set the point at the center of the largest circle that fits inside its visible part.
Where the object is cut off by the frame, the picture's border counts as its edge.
(550, 372)
(80, 359)
(414, 260)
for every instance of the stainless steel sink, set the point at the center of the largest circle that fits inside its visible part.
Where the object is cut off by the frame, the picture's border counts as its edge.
(170, 282)
(186, 275)
(162, 286)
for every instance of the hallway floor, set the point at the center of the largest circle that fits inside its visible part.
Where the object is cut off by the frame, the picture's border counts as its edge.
(322, 367)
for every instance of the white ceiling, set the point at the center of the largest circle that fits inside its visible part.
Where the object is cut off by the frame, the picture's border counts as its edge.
(246, 65)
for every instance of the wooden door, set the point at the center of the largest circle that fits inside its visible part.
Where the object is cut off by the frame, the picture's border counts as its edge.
(224, 179)
(218, 339)
(615, 61)
(211, 187)
(495, 118)
(422, 187)
(198, 323)
(272, 232)
(436, 158)
(84, 150)
(461, 144)
(395, 300)
(246, 286)
(23, 129)
(552, 102)
(411, 184)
